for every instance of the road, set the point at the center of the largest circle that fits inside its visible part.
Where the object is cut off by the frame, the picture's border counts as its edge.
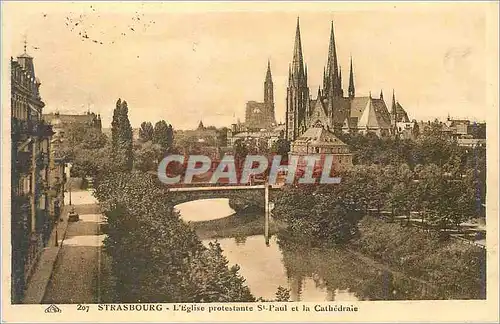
(75, 276)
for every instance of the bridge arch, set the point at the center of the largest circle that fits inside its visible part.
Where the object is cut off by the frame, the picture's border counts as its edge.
(238, 199)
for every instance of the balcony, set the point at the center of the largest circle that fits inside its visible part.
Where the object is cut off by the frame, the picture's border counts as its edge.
(42, 129)
(23, 162)
(20, 127)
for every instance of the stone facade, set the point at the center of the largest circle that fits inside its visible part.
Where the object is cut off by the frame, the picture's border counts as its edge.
(31, 191)
(320, 141)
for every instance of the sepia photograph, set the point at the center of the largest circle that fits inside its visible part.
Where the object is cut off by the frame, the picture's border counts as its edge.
(249, 159)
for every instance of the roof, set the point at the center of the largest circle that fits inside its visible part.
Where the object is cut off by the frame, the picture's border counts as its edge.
(255, 104)
(318, 111)
(374, 115)
(24, 55)
(67, 119)
(319, 136)
(358, 105)
(401, 114)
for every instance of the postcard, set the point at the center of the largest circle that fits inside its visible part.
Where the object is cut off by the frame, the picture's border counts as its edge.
(250, 161)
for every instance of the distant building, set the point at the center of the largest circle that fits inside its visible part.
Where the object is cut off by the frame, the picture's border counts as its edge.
(260, 115)
(331, 109)
(31, 198)
(61, 122)
(258, 137)
(455, 129)
(202, 134)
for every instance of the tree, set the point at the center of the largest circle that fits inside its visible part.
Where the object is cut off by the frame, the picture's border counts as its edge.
(121, 138)
(222, 136)
(240, 149)
(281, 147)
(146, 156)
(315, 216)
(163, 135)
(146, 132)
(282, 294)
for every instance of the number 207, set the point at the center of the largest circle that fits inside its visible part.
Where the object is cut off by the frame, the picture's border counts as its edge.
(83, 308)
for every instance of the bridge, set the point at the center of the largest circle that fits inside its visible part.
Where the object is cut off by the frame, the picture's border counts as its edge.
(239, 196)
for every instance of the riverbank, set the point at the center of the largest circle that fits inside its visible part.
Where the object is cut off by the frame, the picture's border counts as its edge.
(235, 225)
(459, 270)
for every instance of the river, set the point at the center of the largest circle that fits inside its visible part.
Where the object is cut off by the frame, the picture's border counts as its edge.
(310, 275)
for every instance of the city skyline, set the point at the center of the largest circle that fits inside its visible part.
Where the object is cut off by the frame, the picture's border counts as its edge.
(203, 70)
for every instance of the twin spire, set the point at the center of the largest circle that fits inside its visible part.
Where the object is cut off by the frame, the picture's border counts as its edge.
(332, 74)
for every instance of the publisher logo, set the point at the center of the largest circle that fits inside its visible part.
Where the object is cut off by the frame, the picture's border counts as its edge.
(52, 309)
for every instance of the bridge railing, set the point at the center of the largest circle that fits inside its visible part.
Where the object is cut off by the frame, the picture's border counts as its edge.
(207, 184)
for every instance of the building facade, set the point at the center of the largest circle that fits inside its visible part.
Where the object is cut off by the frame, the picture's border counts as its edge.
(321, 142)
(260, 115)
(31, 220)
(331, 109)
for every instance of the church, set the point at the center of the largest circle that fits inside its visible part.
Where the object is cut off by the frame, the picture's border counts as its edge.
(260, 115)
(331, 109)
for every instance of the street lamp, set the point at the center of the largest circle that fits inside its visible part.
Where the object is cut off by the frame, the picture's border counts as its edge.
(69, 188)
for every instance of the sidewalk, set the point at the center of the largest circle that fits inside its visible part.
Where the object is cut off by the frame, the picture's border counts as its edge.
(47, 264)
(37, 284)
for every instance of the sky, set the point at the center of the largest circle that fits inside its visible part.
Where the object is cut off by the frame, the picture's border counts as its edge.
(184, 63)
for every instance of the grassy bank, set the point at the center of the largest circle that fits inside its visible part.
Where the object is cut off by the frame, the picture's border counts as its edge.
(458, 269)
(235, 225)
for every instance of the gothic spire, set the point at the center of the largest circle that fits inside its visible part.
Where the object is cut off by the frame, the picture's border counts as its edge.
(268, 86)
(332, 67)
(393, 108)
(269, 77)
(352, 91)
(298, 60)
(381, 94)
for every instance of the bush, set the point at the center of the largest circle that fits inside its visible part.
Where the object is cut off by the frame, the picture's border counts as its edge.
(155, 256)
(457, 269)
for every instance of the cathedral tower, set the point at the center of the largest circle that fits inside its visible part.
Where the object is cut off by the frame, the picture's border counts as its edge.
(297, 100)
(269, 97)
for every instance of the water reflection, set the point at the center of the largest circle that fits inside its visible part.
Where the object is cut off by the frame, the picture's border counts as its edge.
(206, 209)
(310, 274)
(317, 275)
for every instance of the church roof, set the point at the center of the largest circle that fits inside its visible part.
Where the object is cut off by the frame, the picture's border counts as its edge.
(358, 106)
(374, 115)
(401, 114)
(318, 136)
(318, 110)
(381, 111)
